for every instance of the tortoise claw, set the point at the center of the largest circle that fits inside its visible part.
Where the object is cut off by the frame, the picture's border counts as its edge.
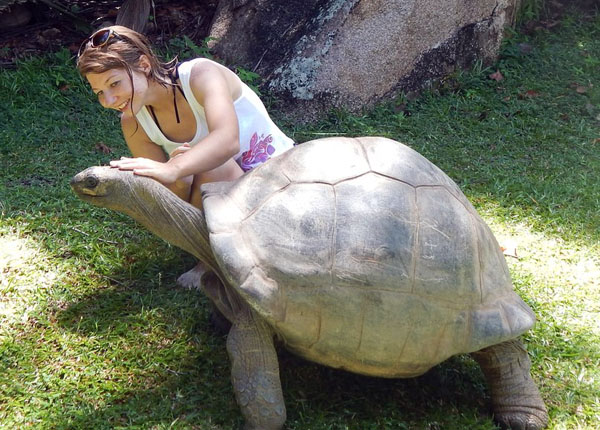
(522, 419)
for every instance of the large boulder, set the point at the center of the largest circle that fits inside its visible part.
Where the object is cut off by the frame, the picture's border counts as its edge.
(319, 54)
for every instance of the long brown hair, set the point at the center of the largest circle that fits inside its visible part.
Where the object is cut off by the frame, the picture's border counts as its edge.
(123, 51)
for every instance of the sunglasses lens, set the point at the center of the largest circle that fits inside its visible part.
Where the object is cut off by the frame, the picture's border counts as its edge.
(100, 38)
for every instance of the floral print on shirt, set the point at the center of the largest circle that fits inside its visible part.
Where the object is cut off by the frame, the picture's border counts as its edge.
(260, 150)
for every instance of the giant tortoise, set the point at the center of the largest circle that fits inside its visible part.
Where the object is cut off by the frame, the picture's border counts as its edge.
(358, 253)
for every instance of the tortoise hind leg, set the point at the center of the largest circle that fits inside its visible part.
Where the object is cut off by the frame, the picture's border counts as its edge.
(255, 373)
(516, 401)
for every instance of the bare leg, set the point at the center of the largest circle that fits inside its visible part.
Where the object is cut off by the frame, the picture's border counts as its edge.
(516, 401)
(255, 373)
(229, 171)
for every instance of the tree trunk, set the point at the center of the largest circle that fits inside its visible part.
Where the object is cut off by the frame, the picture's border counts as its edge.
(134, 14)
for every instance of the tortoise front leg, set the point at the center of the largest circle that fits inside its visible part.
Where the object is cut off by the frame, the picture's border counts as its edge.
(516, 401)
(255, 373)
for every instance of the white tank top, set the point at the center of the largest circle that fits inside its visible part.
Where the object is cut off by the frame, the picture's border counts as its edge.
(260, 138)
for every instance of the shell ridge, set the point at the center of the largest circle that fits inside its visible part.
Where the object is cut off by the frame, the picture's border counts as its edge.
(468, 331)
(505, 317)
(383, 175)
(363, 311)
(451, 192)
(264, 202)
(319, 330)
(438, 345)
(416, 249)
(479, 255)
(364, 152)
(245, 239)
(405, 342)
(333, 237)
(341, 181)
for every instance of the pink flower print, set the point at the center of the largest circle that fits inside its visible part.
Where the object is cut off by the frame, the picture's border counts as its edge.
(260, 150)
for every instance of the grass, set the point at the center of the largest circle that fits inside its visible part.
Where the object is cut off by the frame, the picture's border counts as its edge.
(94, 334)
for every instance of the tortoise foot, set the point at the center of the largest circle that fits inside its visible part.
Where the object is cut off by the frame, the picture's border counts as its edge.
(255, 373)
(522, 419)
(516, 401)
(192, 279)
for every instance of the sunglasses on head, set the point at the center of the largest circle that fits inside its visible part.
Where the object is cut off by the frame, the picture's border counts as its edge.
(98, 39)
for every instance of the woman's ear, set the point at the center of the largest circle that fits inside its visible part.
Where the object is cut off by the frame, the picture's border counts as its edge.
(144, 65)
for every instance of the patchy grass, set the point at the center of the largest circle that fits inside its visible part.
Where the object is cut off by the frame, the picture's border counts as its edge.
(94, 335)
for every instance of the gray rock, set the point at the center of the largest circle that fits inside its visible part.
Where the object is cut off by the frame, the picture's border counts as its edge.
(353, 53)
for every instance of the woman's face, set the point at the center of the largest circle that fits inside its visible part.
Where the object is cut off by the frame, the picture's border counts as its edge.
(115, 91)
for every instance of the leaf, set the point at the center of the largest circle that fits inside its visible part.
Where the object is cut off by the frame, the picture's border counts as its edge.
(101, 147)
(580, 89)
(496, 76)
(529, 94)
(510, 251)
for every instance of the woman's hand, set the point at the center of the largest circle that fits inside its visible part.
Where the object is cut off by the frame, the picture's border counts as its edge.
(180, 150)
(162, 172)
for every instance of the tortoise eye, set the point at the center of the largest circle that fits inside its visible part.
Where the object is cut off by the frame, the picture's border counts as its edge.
(91, 182)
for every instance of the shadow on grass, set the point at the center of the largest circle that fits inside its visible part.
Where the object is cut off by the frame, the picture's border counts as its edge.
(157, 349)
(189, 381)
(192, 383)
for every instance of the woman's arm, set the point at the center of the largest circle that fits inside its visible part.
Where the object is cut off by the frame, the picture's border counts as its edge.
(142, 147)
(212, 89)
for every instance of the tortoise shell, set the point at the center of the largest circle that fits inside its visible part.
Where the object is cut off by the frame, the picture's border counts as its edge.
(363, 255)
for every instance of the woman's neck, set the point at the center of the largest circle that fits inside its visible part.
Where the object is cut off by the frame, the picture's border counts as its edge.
(160, 97)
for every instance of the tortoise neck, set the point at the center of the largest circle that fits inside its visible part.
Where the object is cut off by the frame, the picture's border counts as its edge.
(175, 221)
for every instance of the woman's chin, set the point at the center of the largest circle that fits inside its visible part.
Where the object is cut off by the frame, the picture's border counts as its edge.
(127, 113)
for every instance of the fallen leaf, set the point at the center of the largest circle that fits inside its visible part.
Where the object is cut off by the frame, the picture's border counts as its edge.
(580, 89)
(496, 76)
(529, 94)
(103, 148)
(64, 88)
(511, 251)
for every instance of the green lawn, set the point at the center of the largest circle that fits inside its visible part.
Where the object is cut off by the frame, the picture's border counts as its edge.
(94, 334)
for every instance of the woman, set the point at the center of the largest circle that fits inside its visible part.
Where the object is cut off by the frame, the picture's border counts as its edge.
(185, 124)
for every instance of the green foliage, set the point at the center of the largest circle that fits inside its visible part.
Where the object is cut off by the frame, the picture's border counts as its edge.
(185, 48)
(250, 78)
(95, 335)
(530, 9)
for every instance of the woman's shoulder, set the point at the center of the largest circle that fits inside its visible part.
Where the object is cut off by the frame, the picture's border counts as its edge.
(205, 74)
(198, 64)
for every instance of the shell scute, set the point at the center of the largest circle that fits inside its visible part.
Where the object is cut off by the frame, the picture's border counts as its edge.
(290, 236)
(311, 163)
(375, 233)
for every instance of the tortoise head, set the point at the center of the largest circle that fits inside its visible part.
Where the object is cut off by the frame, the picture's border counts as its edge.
(109, 187)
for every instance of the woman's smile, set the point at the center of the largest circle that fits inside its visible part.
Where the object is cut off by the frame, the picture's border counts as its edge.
(122, 106)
